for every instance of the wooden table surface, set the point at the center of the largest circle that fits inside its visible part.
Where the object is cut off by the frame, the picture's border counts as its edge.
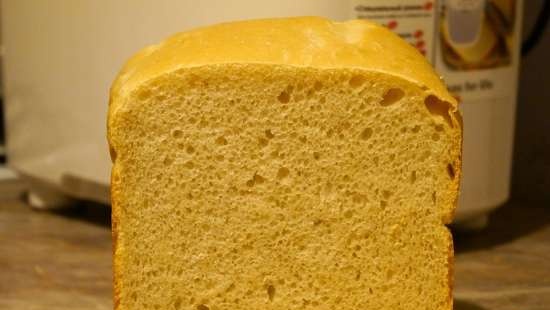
(62, 260)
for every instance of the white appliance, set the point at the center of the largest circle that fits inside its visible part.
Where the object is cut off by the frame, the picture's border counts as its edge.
(62, 55)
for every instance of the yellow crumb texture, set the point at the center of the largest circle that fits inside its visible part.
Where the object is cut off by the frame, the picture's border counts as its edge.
(283, 164)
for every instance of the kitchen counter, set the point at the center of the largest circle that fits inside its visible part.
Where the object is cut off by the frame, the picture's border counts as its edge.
(55, 260)
(62, 260)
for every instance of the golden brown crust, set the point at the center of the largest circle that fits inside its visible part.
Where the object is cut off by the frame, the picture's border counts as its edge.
(302, 41)
(450, 275)
(114, 224)
(458, 175)
(457, 166)
(458, 163)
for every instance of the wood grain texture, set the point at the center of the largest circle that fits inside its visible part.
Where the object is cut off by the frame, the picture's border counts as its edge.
(507, 265)
(55, 260)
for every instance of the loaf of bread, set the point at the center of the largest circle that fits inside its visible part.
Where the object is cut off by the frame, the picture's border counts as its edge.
(283, 164)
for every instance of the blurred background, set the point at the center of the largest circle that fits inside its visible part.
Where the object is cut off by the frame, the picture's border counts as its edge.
(59, 57)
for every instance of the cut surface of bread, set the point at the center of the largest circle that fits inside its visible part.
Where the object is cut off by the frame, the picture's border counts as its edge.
(283, 164)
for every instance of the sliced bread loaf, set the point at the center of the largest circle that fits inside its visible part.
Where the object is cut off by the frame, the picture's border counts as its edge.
(283, 164)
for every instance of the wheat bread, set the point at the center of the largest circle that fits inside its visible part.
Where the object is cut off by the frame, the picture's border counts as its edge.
(283, 164)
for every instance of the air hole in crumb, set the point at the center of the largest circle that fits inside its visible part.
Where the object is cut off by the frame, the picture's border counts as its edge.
(221, 140)
(282, 173)
(303, 139)
(359, 198)
(144, 95)
(345, 125)
(434, 197)
(439, 107)
(451, 171)
(316, 155)
(258, 179)
(269, 134)
(358, 275)
(318, 86)
(202, 307)
(189, 165)
(202, 123)
(435, 136)
(425, 155)
(392, 96)
(416, 129)
(439, 128)
(413, 177)
(190, 149)
(284, 97)
(366, 133)
(177, 303)
(263, 142)
(383, 203)
(177, 133)
(386, 194)
(271, 292)
(458, 118)
(348, 214)
(168, 161)
(113, 153)
(193, 79)
(357, 80)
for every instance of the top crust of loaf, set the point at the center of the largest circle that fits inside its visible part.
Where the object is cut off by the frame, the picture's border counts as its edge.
(300, 41)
